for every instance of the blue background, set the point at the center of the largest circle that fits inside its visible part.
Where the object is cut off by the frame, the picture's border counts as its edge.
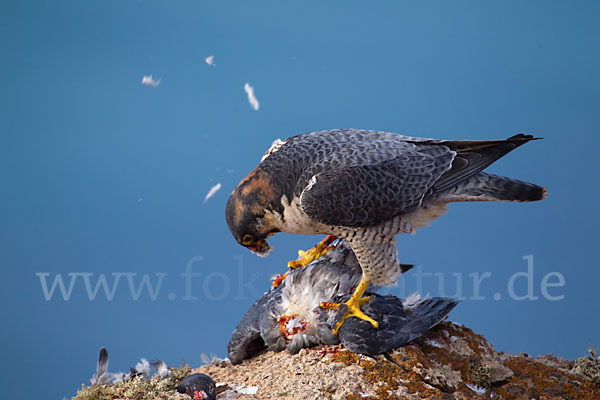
(101, 174)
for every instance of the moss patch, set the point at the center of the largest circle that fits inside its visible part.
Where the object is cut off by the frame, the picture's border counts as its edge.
(137, 388)
(387, 377)
(480, 375)
(534, 379)
(588, 367)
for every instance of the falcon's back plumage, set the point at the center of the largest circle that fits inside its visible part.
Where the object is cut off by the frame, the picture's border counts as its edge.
(363, 178)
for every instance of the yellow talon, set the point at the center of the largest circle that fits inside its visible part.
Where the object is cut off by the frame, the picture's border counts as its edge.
(353, 304)
(279, 280)
(306, 257)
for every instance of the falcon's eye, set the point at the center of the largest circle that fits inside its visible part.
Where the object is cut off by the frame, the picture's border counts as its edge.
(247, 239)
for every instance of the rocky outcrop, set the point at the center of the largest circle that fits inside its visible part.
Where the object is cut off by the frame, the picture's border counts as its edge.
(449, 362)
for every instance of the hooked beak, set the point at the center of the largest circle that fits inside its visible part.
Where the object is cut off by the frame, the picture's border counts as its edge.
(261, 248)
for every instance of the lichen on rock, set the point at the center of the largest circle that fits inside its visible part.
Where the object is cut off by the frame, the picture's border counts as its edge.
(450, 362)
(137, 388)
(588, 366)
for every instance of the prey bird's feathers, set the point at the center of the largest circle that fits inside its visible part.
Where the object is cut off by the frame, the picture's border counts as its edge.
(398, 325)
(331, 277)
(101, 375)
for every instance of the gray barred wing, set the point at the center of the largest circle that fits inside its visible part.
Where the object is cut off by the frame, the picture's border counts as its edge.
(366, 183)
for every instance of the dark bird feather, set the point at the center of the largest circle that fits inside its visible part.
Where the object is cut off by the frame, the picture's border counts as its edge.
(331, 278)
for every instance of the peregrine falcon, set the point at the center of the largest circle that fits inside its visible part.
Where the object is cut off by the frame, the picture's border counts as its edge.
(290, 317)
(364, 187)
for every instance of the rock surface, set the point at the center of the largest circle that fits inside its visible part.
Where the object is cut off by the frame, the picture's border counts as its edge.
(450, 362)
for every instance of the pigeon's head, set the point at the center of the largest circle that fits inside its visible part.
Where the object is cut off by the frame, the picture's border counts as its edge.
(199, 395)
(198, 387)
(249, 212)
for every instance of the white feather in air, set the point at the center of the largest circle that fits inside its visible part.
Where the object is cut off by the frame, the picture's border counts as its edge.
(213, 190)
(148, 81)
(251, 97)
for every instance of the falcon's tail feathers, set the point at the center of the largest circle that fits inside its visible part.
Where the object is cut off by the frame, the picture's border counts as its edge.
(472, 157)
(405, 268)
(487, 187)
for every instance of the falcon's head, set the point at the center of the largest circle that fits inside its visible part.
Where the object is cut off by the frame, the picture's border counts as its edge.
(249, 212)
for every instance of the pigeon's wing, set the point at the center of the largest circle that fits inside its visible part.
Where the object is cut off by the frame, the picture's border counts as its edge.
(366, 183)
(246, 340)
(397, 327)
(269, 327)
(427, 314)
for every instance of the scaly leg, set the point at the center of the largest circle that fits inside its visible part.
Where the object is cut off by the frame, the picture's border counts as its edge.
(353, 304)
(306, 257)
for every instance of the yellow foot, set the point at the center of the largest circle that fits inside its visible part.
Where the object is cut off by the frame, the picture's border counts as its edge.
(353, 305)
(306, 257)
(279, 279)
